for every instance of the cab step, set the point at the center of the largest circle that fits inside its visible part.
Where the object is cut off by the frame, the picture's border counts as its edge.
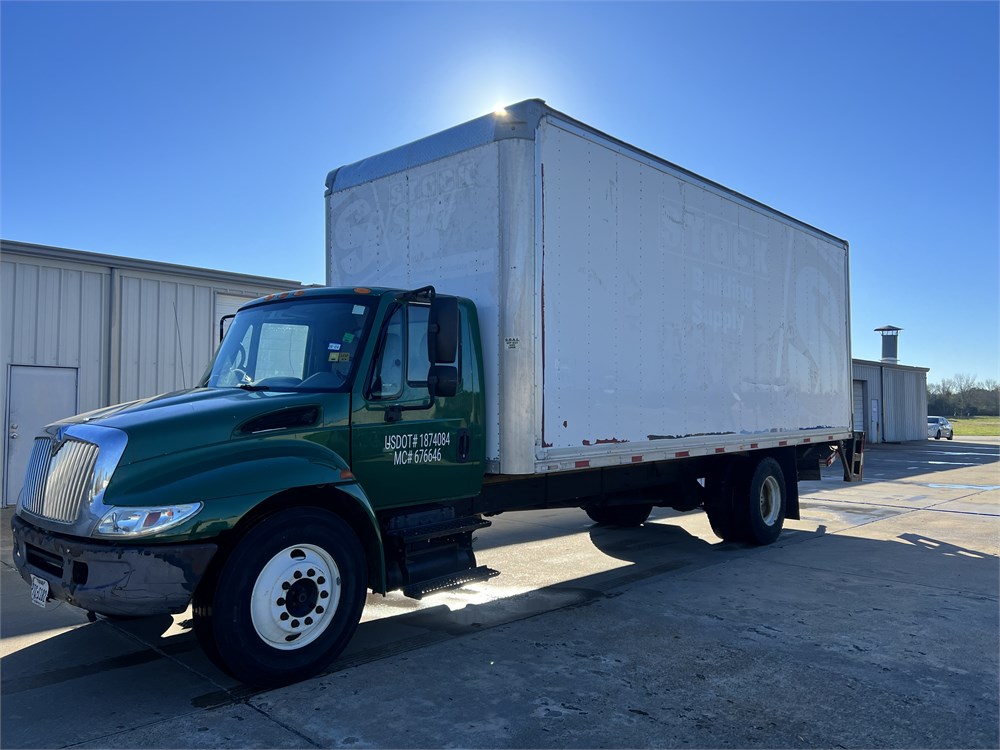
(420, 589)
(438, 529)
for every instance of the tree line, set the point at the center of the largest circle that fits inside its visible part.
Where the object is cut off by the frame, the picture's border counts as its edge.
(964, 396)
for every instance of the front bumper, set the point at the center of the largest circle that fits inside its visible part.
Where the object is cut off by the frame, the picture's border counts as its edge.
(111, 579)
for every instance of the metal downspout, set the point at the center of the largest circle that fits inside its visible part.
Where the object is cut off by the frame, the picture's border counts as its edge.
(113, 394)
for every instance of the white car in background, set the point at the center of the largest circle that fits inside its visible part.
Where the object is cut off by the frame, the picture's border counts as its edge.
(939, 427)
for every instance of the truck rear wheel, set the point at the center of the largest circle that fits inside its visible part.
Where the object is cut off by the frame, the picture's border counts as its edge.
(744, 506)
(721, 494)
(765, 506)
(620, 515)
(287, 599)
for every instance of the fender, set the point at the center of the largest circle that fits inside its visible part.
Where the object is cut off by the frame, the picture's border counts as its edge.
(237, 481)
(346, 499)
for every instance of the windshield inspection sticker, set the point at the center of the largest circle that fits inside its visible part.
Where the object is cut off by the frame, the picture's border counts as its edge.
(339, 357)
(333, 347)
(348, 338)
(358, 310)
(420, 448)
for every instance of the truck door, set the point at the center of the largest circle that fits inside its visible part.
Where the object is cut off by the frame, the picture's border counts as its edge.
(407, 448)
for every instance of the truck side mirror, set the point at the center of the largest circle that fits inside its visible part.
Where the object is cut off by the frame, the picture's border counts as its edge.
(222, 325)
(442, 331)
(442, 380)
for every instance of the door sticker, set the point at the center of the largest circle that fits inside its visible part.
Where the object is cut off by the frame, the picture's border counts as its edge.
(416, 448)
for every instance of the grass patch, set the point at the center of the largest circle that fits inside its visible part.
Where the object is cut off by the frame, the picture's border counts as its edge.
(985, 426)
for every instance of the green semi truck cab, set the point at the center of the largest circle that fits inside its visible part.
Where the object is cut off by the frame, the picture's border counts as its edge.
(323, 413)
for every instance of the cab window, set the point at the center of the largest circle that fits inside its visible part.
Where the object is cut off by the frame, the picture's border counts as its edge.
(281, 351)
(401, 361)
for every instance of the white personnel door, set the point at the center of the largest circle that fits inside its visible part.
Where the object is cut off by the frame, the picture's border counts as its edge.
(37, 396)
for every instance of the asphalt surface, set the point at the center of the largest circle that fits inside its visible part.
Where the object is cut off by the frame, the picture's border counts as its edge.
(872, 622)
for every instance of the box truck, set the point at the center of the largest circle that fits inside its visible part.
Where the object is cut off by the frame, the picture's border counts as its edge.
(523, 313)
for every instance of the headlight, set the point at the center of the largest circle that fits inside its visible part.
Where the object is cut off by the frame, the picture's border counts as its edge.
(131, 522)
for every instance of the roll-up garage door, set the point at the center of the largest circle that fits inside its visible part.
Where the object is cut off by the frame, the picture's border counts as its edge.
(859, 405)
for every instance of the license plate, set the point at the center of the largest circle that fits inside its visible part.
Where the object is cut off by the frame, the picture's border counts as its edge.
(39, 591)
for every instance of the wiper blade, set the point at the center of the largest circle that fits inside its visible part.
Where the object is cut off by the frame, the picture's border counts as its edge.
(252, 387)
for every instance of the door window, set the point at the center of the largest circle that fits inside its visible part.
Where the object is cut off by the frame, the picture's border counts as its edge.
(402, 356)
(387, 380)
(417, 363)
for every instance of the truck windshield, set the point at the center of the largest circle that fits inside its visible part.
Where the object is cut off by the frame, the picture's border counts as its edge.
(296, 345)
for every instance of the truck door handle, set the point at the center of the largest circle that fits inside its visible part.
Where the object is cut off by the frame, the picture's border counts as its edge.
(464, 445)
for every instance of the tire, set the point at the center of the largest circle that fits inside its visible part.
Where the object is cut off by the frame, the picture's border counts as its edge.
(720, 504)
(938, 436)
(951, 435)
(620, 515)
(765, 503)
(286, 600)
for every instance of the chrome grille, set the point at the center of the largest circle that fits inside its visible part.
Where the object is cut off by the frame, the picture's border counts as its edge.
(58, 486)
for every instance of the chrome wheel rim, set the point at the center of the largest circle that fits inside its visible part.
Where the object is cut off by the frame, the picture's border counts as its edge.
(295, 597)
(770, 500)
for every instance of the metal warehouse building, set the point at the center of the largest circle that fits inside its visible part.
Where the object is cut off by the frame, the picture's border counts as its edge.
(890, 401)
(83, 330)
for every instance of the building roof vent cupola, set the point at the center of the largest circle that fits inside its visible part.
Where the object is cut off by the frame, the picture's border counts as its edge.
(890, 344)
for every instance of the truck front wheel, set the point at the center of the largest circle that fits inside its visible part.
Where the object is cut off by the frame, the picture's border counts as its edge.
(287, 599)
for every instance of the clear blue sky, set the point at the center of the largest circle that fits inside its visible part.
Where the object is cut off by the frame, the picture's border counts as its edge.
(201, 133)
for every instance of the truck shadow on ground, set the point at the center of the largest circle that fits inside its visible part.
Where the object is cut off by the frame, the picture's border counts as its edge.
(102, 654)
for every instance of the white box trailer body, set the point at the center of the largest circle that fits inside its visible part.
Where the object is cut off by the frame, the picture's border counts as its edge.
(630, 310)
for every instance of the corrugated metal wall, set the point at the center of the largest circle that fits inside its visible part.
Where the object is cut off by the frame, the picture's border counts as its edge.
(131, 329)
(52, 315)
(56, 316)
(897, 401)
(871, 375)
(167, 331)
(904, 404)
